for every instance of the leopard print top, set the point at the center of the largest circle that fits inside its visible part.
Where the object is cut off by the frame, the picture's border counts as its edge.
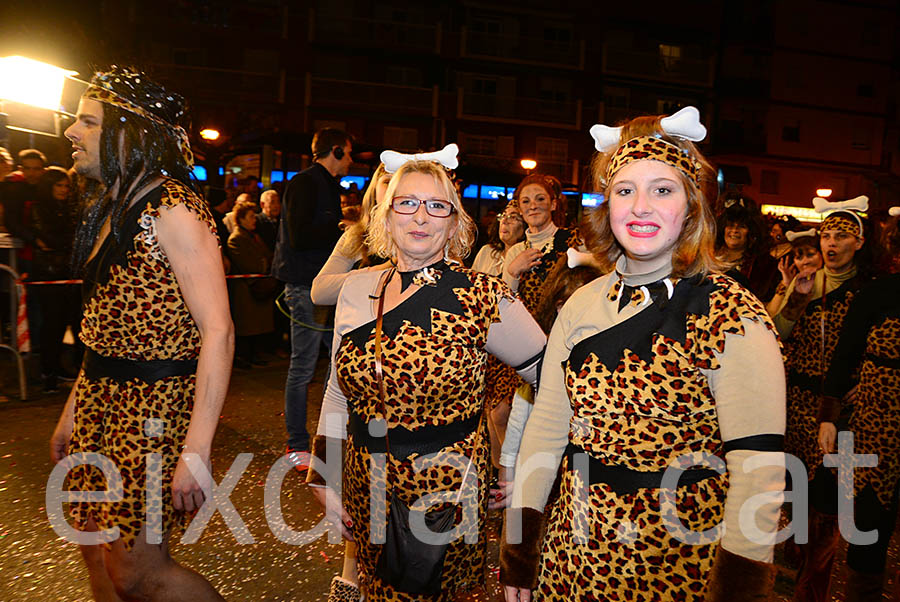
(133, 306)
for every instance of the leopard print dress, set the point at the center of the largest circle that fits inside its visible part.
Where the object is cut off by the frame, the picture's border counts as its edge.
(806, 353)
(871, 343)
(134, 312)
(641, 400)
(531, 283)
(434, 366)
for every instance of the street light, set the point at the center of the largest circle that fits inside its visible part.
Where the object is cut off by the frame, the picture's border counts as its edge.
(528, 164)
(824, 192)
(209, 134)
(31, 82)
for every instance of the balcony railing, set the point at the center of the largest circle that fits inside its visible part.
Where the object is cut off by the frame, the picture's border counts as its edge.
(372, 96)
(521, 49)
(212, 84)
(650, 65)
(372, 32)
(519, 110)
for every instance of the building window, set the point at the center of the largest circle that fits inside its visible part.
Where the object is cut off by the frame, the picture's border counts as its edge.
(558, 35)
(862, 138)
(790, 132)
(668, 106)
(865, 90)
(551, 150)
(616, 98)
(768, 181)
(406, 139)
(669, 55)
(404, 76)
(484, 86)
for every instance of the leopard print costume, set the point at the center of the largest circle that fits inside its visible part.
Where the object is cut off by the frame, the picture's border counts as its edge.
(871, 341)
(434, 367)
(134, 310)
(531, 283)
(640, 401)
(805, 355)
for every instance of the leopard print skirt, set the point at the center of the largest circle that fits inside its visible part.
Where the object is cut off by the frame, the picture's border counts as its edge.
(135, 425)
(617, 547)
(464, 563)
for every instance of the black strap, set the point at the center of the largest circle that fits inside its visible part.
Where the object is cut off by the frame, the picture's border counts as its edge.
(624, 480)
(121, 370)
(405, 442)
(763, 443)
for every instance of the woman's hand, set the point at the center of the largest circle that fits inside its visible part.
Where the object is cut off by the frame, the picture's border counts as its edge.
(59, 441)
(524, 261)
(516, 594)
(788, 269)
(335, 512)
(500, 497)
(827, 436)
(192, 482)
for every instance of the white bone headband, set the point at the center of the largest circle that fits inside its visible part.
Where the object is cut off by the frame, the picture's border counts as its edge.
(446, 156)
(792, 236)
(683, 124)
(860, 203)
(894, 211)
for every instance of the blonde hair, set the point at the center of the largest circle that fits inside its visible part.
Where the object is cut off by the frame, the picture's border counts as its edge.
(356, 231)
(694, 251)
(378, 236)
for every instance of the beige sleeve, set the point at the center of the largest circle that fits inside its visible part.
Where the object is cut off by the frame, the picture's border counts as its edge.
(484, 261)
(326, 286)
(749, 388)
(782, 324)
(513, 252)
(547, 430)
(517, 340)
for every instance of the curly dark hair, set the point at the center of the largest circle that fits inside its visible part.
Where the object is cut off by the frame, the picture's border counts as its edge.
(744, 211)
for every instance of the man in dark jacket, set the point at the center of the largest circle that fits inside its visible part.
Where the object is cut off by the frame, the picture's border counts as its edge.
(306, 236)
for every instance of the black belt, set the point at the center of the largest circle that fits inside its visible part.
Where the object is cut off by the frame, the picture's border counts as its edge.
(804, 381)
(882, 362)
(624, 481)
(404, 442)
(121, 370)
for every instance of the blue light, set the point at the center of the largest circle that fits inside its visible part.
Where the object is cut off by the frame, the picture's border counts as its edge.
(360, 182)
(493, 192)
(276, 176)
(290, 175)
(589, 199)
(470, 191)
(221, 171)
(200, 172)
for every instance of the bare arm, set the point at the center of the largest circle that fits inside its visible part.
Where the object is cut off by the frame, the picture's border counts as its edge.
(59, 441)
(193, 253)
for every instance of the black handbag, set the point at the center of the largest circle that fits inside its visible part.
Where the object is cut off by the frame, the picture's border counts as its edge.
(407, 563)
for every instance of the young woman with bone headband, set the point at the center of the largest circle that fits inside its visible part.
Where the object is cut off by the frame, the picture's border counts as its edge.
(410, 348)
(867, 357)
(810, 322)
(662, 359)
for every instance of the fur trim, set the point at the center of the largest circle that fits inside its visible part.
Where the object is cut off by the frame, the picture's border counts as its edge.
(317, 462)
(735, 578)
(519, 561)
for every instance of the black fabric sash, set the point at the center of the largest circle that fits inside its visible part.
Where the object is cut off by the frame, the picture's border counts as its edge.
(882, 362)
(625, 481)
(404, 442)
(121, 370)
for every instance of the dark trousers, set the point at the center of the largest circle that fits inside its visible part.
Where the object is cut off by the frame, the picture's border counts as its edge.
(60, 307)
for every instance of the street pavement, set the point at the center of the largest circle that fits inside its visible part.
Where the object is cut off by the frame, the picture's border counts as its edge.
(37, 564)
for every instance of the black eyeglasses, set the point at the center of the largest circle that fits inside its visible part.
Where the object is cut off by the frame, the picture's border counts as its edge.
(407, 205)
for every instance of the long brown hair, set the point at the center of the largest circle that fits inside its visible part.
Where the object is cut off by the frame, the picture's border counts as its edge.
(694, 251)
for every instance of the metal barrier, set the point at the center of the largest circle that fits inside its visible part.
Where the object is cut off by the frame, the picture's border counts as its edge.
(12, 344)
